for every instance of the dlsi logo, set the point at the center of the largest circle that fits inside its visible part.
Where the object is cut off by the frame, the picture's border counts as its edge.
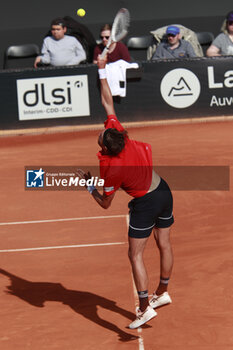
(180, 88)
(55, 96)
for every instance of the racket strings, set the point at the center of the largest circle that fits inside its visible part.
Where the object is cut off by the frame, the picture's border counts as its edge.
(119, 29)
(120, 25)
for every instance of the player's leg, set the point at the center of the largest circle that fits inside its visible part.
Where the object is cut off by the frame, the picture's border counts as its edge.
(161, 296)
(145, 311)
(141, 223)
(136, 250)
(162, 238)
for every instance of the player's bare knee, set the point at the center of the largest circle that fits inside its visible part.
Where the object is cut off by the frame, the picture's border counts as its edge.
(164, 244)
(134, 257)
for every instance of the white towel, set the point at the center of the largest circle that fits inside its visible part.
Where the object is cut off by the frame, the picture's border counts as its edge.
(116, 76)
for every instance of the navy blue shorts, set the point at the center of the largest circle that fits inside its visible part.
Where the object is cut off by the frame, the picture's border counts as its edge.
(154, 209)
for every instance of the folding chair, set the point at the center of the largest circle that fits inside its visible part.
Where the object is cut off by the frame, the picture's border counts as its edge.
(20, 52)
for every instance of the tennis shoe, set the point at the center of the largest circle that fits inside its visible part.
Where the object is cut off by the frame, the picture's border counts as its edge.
(143, 317)
(160, 300)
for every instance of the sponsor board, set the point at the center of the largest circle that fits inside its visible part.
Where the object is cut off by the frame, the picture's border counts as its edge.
(180, 87)
(54, 97)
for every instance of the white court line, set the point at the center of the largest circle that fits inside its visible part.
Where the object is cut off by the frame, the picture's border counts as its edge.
(60, 220)
(139, 330)
(61, 247)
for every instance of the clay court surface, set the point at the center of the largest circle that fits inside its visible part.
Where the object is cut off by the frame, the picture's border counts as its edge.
(67, 284)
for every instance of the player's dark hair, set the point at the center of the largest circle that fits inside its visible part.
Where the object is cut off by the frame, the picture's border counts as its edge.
(59, 21)
(114, 140)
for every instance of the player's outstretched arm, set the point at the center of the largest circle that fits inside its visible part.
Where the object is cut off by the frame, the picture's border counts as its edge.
(106, 96)
(103, 200)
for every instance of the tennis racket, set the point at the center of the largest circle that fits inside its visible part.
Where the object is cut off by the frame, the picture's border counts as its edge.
(119, 29)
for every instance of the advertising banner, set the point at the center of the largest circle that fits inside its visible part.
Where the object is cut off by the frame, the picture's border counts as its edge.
(197, 87)
(53, 97)
(164, 89)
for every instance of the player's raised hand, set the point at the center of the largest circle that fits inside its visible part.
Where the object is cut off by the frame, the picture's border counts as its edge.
(101, 62)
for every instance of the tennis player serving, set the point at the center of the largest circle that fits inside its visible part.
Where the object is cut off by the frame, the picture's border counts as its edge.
(127, 164)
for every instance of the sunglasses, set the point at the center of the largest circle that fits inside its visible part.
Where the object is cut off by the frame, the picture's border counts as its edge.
(105, 36)
(173, 35)
(230, 23)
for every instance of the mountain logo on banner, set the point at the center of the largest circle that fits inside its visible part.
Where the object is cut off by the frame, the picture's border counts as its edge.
(180, 88)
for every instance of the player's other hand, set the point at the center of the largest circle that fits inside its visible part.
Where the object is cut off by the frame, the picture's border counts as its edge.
(101, 62)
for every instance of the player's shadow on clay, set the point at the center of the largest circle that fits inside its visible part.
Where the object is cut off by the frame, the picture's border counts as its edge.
(84, 303)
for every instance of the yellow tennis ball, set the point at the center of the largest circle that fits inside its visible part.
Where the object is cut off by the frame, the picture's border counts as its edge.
(81, 12)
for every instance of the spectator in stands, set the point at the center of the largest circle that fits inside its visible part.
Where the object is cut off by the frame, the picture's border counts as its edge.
(223, 43)
(117, 51)
(60, 49)
(174, 46)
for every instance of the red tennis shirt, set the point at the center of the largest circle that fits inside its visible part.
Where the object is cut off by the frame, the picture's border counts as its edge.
(131, 169)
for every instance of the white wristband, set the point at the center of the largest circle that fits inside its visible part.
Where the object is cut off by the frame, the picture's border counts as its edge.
(91, 189)
(102, 73)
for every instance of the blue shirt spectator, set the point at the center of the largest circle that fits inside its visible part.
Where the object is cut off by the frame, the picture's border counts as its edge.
(174, 46)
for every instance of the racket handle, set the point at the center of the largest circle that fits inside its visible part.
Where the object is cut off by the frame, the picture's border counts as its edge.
(104, 52)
